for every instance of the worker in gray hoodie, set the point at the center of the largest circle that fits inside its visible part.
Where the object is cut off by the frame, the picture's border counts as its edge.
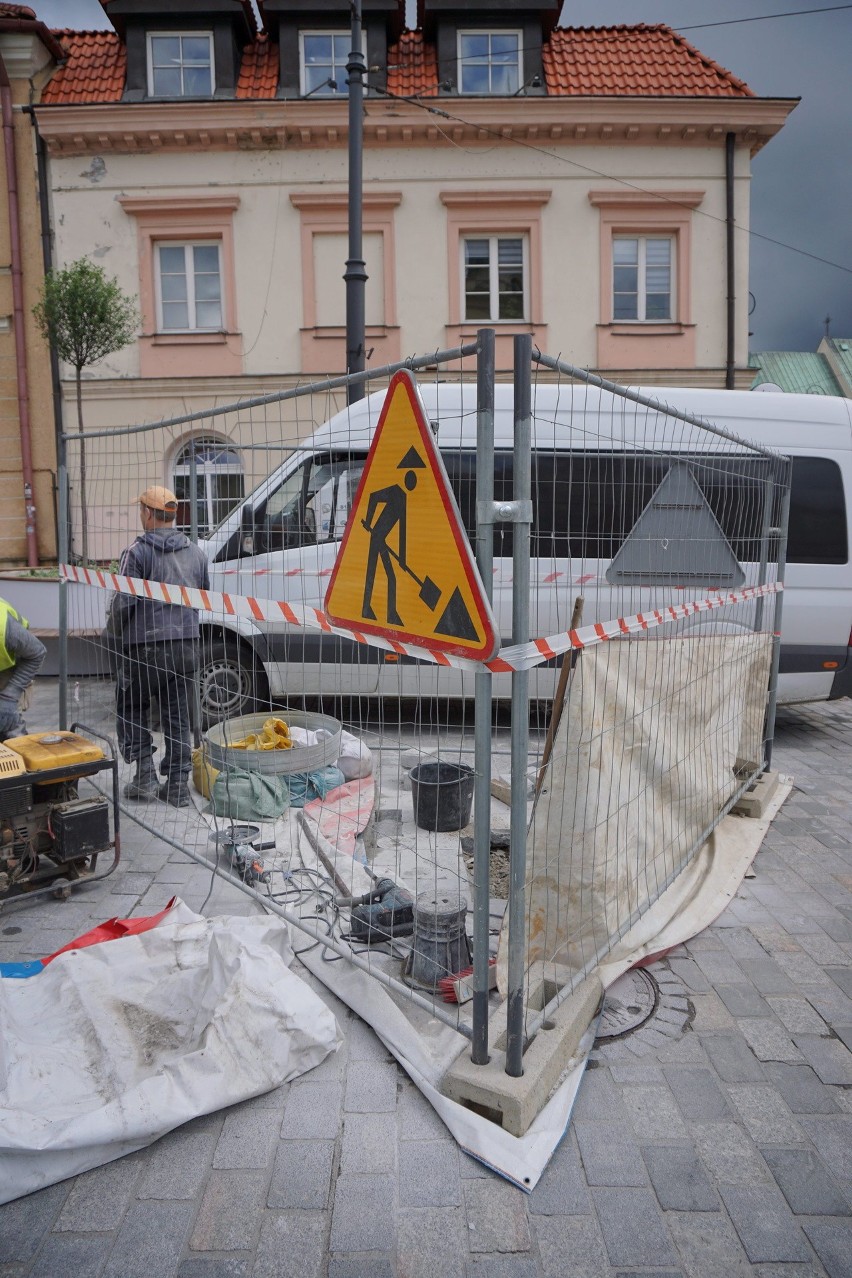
(21, 655)
(157, 649)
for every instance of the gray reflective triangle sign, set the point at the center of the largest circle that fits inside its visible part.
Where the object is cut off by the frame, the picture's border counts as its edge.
(676, 541)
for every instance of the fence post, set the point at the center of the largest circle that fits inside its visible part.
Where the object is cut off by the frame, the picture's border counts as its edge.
(522, 500)
(485, 363)
(783, 471)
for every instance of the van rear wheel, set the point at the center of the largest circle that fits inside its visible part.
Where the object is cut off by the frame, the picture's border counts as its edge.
(231, 681)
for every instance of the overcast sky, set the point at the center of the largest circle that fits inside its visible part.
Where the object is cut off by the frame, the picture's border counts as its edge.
(802, 180)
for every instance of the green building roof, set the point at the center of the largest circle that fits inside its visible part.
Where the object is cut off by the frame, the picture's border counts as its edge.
(799, 372)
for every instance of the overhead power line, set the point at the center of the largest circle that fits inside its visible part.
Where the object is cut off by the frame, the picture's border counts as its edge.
(764, 17)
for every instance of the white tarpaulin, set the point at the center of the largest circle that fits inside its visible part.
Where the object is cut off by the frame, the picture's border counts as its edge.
(110, 1047)
(645, 759)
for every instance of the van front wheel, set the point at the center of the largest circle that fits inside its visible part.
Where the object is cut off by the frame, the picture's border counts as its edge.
(231, 681)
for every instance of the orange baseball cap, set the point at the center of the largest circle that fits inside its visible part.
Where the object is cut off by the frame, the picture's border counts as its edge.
(158, 498)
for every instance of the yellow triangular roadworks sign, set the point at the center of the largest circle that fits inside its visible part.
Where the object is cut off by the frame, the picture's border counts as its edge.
(405, 569)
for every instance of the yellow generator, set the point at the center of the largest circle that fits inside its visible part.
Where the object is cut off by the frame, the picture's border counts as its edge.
(47, 831)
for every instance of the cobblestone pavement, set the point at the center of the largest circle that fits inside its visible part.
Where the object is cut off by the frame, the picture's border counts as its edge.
(719, 1145)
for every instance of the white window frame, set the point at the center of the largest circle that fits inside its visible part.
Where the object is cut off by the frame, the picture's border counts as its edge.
(153, 35)
(642, 290)
(189, 271)
(493, 239)
(490, 32)
(342, 90)
(208, 472)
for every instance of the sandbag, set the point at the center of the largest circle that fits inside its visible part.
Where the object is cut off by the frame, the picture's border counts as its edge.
(241, 795)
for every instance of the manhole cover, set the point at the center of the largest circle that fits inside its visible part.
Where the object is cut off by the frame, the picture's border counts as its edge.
(628, 1004)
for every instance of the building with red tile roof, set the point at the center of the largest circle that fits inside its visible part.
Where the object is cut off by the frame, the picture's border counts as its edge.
(570, 183)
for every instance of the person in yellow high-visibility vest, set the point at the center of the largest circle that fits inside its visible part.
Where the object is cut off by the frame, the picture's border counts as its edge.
(21, 655)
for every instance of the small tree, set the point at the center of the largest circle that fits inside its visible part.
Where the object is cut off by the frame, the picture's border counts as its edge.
(84, 315)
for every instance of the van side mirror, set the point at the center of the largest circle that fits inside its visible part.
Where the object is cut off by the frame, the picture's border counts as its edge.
(247, 530)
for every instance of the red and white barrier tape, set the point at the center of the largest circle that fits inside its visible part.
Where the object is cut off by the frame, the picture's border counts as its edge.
(522, 656)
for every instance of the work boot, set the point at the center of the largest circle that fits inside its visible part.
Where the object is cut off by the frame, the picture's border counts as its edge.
(175, 792)
(144, 785)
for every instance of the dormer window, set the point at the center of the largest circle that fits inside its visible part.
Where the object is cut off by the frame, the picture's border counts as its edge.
(323, 62)
(489, 62)
(180, 64)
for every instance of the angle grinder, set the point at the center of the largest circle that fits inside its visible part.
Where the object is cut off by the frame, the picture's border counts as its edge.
(241, 847)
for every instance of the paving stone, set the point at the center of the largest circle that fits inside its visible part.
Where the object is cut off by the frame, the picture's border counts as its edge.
(742, 1000)
(688, 971)
(363, 1218)
(368, 1145)
(301, 1177)
(416, 1118)
(833, 1138)
(801, 968)
(733, 1060)
(561, 1191)
(371, 1087)
(708, 1245)
(800, 1088)
(830, 1059)
(598, 1097)
(99, 1198)
(570, 1245)
(831, 1003)
(805, 1183)
(689, 1050)
(215, 1267)
(227, 1217)
(248, 1139)
(769, 978)
(679, 1179)
(497, 1216)
(769, 1040)
(366, 1265)
(312, 1111)
(73, 1255)
(150, 1240)
(697, 1093)
(764, 1223)
(292, 1245)
(431, 1243)
(502, 1267)
(609, 1156)
(729, 1154)
(833, 1244)
(653, 1114)
(764, 1113)
(24, 1221)
(720, 968)
(823, 950)
(632, 1228)
(842, 976)
(797, 1016)
(429, 1174)
(177, 1165)
(711, 1016)
(633, 1072)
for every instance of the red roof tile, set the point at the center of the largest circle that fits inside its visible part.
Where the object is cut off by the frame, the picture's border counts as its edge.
(17, 11)
(633, 61)
(94, 71)
(412, 67)
(259, 71)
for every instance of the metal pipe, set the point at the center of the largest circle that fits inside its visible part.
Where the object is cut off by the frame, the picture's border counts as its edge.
(193, 482)
(647, 401)
(356, 271)
(485, 369)
(522, 495)
(21, 374)
(765, 533)
(730, 140)
(785, 470)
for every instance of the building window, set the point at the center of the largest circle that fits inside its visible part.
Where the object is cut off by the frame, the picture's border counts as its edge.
(494, 277)
(489, 62)
(180, 64)
(642, 269)
(324, 58)
(189, 288)
(218, 482)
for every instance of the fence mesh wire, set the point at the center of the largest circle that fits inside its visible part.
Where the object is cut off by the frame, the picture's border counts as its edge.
(641, 733)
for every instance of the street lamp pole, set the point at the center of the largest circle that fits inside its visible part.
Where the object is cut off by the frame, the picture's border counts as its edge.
(356, 273)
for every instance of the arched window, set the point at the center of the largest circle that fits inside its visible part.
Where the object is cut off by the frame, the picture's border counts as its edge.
(218, 482)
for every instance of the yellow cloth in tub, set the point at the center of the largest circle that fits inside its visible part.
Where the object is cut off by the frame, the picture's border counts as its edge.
(274, 735)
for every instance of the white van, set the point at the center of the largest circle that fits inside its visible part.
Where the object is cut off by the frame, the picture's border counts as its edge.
(597, 460)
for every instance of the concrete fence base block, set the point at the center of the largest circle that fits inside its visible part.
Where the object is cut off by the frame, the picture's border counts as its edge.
(757, 797)
(513, 1103)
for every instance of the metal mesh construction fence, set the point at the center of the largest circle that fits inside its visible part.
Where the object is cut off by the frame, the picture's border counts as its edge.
(632, 556)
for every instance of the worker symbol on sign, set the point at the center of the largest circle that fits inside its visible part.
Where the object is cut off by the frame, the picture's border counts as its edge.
(393, 515)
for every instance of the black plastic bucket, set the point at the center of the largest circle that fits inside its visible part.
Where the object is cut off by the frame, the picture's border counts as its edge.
(443, 795)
